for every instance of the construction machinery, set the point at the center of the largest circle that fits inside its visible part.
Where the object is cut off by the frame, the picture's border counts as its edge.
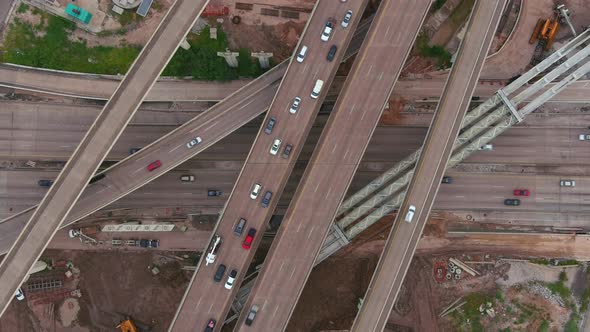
(127, 326)
(544, 32)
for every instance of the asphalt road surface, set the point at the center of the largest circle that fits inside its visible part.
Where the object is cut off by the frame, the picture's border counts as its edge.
(206, 299)
(397, 254)
(334, 164)
(61, 197)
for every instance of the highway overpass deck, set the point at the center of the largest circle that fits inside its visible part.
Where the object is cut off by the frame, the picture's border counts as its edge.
(206, 299)
(67, 188)
(334, 163)
(400, 246)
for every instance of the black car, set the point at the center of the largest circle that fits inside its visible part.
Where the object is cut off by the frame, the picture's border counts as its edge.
(270, 125)
(210, 325)
(266, 199)
(447, 179)
(287, 151)
(133, 150)
(154, 243)
(219, 273)
(512, 201)
(213, 193)
(332, 53)
(251, 315)
(45, 183)
(144, 243)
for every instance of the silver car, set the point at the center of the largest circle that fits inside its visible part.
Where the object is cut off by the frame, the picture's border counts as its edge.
(194, 142)
(276, 145)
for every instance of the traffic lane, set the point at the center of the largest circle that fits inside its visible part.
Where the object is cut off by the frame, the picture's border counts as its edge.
(488, 191)
(276, 298)
(252, 170)
(172, 150)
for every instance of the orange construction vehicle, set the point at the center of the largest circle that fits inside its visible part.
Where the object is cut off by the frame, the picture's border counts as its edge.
(545, 31)
(127, 326)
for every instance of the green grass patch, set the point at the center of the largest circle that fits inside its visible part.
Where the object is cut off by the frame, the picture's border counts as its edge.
(544, 327)
(201, 60)
(540, 261)
(442, 56)
(25, 45)
(559, 288)
(128, 17)
(55, 51)
(22, 8)
(572, 323)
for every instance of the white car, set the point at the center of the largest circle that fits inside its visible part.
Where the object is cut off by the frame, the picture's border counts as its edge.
(346, 19)
(213, 249)
(230, 279)
(295, 105)
(567, 183)
(255, 190)
(410, 213)
(584, 137)
(327, 31)
(194, 142)
(19, 294)
(487, 147)
(274, 148)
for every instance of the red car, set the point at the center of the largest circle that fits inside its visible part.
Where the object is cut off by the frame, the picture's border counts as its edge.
(154, 165)
(249, 238)
(522, 192)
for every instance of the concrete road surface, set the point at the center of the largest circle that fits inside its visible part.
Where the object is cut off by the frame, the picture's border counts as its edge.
(399, 249)
(206, 299)
(334, 164)
(67, 188)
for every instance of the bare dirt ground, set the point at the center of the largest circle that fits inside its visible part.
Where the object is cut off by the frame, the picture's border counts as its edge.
(112, 285)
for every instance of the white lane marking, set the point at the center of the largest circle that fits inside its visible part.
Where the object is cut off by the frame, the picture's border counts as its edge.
(352, 109)
(387, 31)
(304, 68)
(281, 268)
(210, 307)
(460, 196)
(316, 187)
(334, 148)
(310, 232)
(299, 227)
(328, 193)
(274, 313)
(364, 113)
(292, 273)
(198, 303)
(264, 304)
(380, 76)
(65, 146)
(137, 170)
(369, 71)
(498, 186)
(245, 105)
(176, 148)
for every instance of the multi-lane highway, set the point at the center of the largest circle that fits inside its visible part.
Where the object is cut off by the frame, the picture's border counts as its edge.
(334, 163)
(67, 188)
(206, 299)
(438, 146)
(553, 140)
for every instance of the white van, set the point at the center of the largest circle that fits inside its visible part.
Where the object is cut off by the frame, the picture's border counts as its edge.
(317, 89)
(301, 55)
(410, 213)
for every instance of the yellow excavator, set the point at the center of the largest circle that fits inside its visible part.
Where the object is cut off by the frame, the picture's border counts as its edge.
(127, 326)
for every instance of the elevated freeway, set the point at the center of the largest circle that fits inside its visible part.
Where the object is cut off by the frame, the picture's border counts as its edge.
(334, 163)
(68, 186)
(206, 299)
(430, 167)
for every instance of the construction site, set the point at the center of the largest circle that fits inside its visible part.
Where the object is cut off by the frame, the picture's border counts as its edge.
(503, 247)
